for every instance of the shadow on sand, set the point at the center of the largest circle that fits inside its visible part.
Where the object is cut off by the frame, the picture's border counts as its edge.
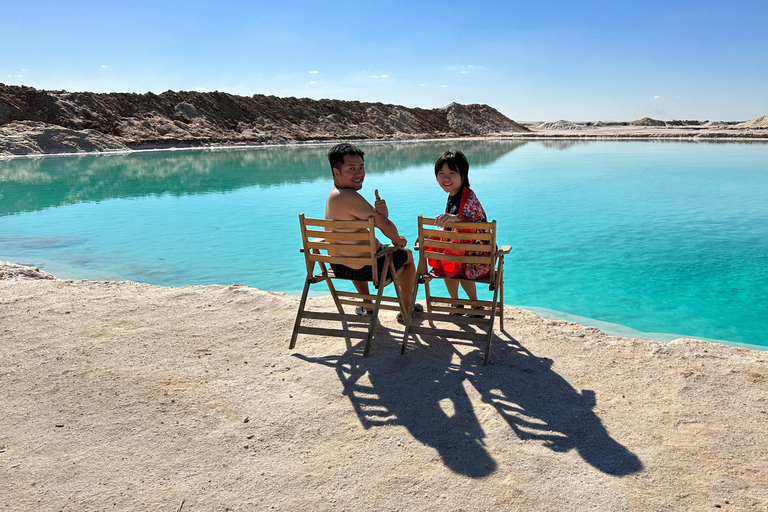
(429, 394)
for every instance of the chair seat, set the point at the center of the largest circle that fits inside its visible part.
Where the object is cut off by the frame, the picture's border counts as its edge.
(483, 280)
(330, 274)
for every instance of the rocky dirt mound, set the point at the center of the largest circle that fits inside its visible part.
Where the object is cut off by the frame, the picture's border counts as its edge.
(678, 122)
(12, 271)
(602, 124)
(760, 122)
(561, 125)
(31, 137)
(195, 118)
(478, 119)
(647, 121)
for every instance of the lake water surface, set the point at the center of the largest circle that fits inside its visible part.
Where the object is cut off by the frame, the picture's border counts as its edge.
(665, 238)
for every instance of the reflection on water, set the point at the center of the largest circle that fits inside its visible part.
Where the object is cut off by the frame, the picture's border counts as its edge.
(37, 183)
(38, 242)
(560, 144)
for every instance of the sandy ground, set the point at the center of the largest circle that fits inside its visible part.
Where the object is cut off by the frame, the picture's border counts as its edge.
(126, 396)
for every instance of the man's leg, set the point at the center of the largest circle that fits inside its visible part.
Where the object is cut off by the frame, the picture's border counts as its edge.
(362, 287)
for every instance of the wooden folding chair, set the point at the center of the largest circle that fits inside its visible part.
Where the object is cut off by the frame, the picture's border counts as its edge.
(322, 241)
(477, 246)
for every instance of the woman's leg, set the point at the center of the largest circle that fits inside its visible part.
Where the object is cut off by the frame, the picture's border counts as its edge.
(453, 288)
(469, 288)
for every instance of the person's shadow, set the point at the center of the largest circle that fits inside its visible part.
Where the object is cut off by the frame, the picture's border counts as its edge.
(426, 393)
(539, 404)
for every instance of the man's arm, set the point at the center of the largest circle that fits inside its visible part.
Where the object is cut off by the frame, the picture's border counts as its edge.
(356, 206)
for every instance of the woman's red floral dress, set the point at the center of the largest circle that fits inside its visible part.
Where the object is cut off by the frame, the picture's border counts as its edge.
(470, 210)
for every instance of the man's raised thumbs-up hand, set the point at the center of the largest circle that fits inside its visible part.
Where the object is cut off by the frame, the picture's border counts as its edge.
(380, 205)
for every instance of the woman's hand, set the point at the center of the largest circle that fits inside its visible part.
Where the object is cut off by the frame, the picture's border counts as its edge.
(441, 219)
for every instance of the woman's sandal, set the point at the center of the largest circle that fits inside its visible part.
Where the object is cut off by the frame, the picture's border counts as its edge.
(460, 306)
(477, 316)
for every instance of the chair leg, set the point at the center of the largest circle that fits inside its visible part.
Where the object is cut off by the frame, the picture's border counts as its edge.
(398, 288)
(487, 357)
(339, 307)
(501, 292)
(409, 316)
(335, 297)
(501, 304)
(375, 315)
(299, 314)
(428, 295)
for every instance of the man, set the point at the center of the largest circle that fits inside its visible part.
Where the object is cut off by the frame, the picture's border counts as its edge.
(345, 203)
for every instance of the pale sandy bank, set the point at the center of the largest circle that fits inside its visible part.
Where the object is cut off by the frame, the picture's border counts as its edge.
(125, 396)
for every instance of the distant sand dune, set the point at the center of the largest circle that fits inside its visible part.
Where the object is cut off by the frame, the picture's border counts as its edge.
(561, 125)
(760, 122)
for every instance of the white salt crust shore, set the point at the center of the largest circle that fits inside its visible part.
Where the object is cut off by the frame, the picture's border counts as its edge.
(39, 139)
(128, 396)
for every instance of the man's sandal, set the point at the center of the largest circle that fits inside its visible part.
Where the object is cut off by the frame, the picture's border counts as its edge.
(416, 307)
(360, 310)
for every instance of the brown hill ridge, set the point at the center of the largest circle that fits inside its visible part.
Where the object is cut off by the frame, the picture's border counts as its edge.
(33, 120)
(647, 121)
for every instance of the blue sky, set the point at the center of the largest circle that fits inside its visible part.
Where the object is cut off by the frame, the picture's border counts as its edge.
(586, 60)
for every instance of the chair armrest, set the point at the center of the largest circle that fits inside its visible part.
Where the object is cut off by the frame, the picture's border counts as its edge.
(416, 242)
(386, 249)
(504, 249)
(301, 249)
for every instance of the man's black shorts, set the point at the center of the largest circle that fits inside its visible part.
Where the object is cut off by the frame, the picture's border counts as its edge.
(399, 257)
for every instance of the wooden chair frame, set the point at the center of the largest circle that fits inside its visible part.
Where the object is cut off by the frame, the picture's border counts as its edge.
(320, 238)
(447, 309)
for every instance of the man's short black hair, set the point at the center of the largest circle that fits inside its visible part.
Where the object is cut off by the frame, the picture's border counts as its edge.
(337, 152)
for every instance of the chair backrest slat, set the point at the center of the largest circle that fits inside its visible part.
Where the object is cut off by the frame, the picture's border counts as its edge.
(437, 244)
(347, 249)
(341, 260)
(456, 225)
(337, 235)
(439, 233)
(459, 258)
(324, 244)
(336, 224)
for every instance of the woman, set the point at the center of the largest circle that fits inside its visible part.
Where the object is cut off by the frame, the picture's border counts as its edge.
(452, 173)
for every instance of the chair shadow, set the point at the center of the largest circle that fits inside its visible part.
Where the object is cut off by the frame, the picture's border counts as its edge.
(539, 404)
(425, 392)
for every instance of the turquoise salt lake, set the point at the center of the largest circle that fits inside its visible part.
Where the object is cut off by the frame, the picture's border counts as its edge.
(653, 239)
